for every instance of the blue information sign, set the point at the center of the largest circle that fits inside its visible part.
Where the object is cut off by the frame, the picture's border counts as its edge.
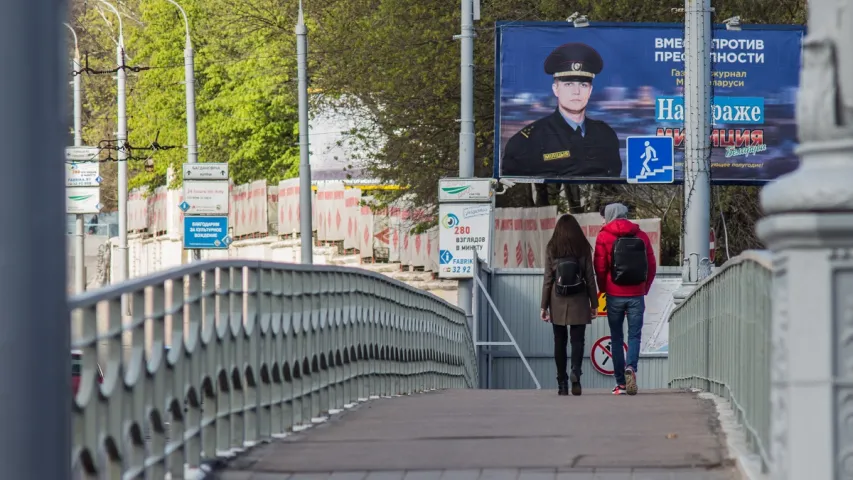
(206, 232)
(650, 159)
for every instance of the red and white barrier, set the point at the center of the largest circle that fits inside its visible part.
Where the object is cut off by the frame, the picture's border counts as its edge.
(352, 216)
(365, 230)
(157, 215)
(288, 206)
(521, 234)
(137, 210)
(342, 214)
(330, 212)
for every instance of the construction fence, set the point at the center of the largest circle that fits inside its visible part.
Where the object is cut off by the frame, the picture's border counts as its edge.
(346, 216)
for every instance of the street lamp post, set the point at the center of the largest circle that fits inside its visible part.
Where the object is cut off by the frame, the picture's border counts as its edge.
(121, 137)
(305, 228)
(79, 235)
(189, 81)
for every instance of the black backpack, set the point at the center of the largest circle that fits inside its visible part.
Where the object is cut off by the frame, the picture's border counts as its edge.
(568, 276)
(630, 264)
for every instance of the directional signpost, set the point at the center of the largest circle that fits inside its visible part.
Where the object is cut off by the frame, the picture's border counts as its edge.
(205, 206)
(465, 223)
(82, 196)
(82, 180)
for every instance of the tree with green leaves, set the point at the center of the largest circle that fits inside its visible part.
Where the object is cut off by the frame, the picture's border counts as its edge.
(245, 90)
(402, 62)
(392, 63)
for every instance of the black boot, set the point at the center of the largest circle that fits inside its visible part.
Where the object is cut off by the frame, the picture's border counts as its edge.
(576, 384)
(562, 386)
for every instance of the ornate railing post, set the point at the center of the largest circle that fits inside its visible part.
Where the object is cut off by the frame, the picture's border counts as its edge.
(809, 228)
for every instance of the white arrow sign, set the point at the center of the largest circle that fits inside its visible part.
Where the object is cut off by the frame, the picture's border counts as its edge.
(205, 171)
(82, 153)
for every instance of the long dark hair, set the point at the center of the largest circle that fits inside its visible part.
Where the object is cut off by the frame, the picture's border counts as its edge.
(568, 239)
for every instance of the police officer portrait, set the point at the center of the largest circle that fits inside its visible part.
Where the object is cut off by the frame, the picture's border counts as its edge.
(566, 143)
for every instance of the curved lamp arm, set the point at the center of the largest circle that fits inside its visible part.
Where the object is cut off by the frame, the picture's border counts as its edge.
(120, 25)
(186, 20)
(76, 49)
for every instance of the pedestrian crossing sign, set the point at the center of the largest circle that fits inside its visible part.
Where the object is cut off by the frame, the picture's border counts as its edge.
(650, 159)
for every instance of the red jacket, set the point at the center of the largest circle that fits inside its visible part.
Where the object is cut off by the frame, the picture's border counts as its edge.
(603, 259)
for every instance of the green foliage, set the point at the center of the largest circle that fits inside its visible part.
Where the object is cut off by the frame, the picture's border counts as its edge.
(392, 65)
(245, 94)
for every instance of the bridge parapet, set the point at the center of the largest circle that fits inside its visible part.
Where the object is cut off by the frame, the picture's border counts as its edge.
(719, 341)
(205, 360)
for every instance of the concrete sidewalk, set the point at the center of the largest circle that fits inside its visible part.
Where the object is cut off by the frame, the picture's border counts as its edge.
(500, 434)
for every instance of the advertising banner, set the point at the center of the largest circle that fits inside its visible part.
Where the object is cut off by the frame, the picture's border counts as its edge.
(568, 98)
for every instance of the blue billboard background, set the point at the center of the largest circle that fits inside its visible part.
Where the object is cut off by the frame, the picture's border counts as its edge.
(639, 91)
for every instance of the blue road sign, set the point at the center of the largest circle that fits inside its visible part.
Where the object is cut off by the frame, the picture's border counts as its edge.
(650, 159)
(184, 206)
(206, 232)
(445, 257)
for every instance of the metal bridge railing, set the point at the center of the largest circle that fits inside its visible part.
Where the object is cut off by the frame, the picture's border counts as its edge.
(719, 341)
(256, 350)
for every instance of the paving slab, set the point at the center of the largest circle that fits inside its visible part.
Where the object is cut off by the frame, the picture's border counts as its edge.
(503, 434)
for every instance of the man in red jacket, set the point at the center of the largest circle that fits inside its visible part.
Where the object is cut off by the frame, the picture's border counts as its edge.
(624, 269)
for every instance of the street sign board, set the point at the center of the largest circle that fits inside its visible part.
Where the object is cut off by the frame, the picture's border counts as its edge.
(602, 356)
(208, 197)
(206, 232)
(465, 228)
(83, 174)
(82, 154)
(465, 190)
(650, 159)
(79, 200)
(205, 171)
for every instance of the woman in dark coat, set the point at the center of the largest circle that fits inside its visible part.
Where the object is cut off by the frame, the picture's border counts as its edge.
(569, 314)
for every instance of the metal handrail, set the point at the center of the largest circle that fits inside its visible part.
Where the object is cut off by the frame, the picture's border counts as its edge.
(256, 350)
(760, 257)
(719, 341)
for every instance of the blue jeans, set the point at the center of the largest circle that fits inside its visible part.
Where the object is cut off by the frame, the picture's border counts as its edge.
(617, 308)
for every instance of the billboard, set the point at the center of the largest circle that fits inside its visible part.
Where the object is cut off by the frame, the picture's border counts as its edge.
(568, 98)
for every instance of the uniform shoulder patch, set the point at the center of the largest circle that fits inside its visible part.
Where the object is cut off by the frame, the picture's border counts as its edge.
(526, 131)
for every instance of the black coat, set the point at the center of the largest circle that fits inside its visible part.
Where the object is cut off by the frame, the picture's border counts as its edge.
(551, 148)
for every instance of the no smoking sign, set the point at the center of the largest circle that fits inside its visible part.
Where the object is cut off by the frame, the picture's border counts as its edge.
(602, 359)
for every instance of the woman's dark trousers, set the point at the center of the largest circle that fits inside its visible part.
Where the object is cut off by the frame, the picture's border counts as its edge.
(563, 336)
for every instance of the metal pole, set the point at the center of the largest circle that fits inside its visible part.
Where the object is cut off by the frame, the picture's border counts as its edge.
(79, 234)
(466, 131)
(697, 143)
(35, 401)
(121, 137)
(189, 81)
(305, 227)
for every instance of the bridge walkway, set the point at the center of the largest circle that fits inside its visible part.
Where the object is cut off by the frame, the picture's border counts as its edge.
(503, 434)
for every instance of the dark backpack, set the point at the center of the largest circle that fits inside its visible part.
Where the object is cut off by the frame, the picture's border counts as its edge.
(630, 264)
(568, 276)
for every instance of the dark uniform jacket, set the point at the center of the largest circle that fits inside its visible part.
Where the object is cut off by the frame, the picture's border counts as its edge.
(551, 148)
